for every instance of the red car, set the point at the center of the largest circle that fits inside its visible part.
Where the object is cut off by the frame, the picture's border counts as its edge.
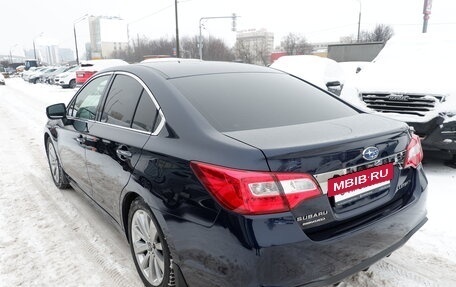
(88, 68)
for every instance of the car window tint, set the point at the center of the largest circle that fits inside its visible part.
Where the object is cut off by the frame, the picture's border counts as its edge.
(243, 101)
(121, 101)
(86, 103)
(146, 114)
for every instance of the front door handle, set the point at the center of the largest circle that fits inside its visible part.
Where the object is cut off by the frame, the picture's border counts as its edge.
(80, 139)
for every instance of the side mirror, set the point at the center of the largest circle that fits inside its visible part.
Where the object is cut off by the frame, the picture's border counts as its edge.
(56, 112)
(334, 87)
(333, 84)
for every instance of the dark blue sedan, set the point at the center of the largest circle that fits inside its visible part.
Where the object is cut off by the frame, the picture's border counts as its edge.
(226, 174)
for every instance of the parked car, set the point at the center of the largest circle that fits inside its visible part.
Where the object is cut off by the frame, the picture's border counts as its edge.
(2, 79)
(50, 78)
(227, 174)
(43, 76)
(322, 72)
(88, 68)
(26, 74)
(4, 72)
(412, 80)
(33, 75)
(67, 79)
(20, 69)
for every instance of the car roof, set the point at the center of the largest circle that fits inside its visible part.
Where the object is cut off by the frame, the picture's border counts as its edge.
(192, 68)
(169, 59)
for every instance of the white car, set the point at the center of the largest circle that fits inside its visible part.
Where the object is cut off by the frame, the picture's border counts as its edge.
(67, 79)
(412, 80)
(322, 72)
(2, 79)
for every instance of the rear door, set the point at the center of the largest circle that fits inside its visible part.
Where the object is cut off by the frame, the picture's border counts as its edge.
(117, 139)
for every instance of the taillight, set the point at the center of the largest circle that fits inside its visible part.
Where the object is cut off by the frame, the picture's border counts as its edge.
(251, 192)
(414, 152)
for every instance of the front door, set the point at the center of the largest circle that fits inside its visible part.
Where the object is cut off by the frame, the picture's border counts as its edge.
(117, 140)
(72, 134)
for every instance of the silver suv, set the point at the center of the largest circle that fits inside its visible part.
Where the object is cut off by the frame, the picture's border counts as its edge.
(412, 80)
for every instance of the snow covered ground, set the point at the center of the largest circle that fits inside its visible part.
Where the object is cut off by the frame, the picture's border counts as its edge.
(50, 237)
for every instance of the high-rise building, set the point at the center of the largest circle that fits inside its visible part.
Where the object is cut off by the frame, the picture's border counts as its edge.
(107, 35)
(47, 51)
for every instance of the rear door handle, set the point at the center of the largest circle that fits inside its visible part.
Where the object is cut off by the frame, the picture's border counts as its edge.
(123, 153)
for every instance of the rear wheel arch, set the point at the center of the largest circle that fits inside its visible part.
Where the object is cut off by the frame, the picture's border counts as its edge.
(127, 200)
(126, 205)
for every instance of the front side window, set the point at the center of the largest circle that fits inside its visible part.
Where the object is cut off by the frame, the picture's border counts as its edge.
(122, 101)
(86, 103)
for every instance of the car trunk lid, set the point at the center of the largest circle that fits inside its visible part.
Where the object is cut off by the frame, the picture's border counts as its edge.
(332, 152)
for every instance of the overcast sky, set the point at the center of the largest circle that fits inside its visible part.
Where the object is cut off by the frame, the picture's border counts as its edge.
(317, 20)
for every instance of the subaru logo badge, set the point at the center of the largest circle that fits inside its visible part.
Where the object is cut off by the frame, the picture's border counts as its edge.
(370, 153)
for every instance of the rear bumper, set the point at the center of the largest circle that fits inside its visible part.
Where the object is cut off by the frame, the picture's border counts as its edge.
(80, 81)
(275, 251)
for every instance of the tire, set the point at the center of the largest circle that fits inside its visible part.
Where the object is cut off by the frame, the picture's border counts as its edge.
(58, 175)
(148, 246)
(72, 84)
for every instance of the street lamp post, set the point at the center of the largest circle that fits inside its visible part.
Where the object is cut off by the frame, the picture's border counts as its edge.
(75, 38)
(359, 21)
(426, 12)
(200, 41)
(177, 31)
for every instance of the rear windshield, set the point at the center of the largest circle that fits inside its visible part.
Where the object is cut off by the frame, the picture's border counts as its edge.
(244, 101)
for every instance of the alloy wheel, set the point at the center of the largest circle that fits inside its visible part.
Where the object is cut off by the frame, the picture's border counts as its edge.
(53, 163)
(148, 248)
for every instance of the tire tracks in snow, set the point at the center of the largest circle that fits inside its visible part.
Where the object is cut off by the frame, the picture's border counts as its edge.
(49, 212)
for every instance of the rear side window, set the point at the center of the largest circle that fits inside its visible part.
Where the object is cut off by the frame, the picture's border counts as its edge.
(146, 114)
(244, 101)
(121, 101)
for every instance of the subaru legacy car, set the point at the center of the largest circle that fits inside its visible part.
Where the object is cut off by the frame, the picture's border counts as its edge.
(227, 174)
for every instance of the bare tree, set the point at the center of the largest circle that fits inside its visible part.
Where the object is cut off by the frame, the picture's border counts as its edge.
(381, 33)
(295, 44)
(243, 51)
(189, 47)
(214, 49)
(262, 52)
(162, 47)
